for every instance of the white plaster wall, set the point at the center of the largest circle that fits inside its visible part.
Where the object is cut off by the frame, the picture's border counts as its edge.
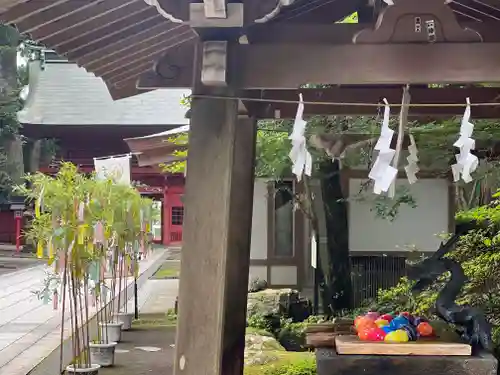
(283, 275)
(413, 226)
(258, 249)
(259, 272)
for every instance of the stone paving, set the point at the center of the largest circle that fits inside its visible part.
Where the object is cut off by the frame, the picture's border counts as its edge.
(29, 329)
(157, 296)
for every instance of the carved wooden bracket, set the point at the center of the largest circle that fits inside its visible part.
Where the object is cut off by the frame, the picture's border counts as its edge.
(214, 63)
(255, 11)
(423, 21)
(173, 70)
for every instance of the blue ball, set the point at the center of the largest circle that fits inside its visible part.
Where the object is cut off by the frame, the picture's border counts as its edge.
(399, 322)
(387, 329)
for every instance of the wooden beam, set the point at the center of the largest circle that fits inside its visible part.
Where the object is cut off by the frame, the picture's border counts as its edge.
(55, 14)
(131, 52)
(141, 65)
(338, 33)
(106, 12)
(27, 9)
(217, 230)
(128, 25)
(374, 94)
(113, 46)
(289, 66)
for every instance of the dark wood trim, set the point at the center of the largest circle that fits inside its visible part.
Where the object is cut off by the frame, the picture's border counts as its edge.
(297, 260)
(397, 253)
(278, 66)
(270, 227)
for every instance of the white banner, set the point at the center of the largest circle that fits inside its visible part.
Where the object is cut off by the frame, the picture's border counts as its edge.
(115, 168)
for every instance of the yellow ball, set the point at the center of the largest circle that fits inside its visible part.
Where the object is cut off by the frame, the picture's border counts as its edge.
(381, 322)
(397, 336)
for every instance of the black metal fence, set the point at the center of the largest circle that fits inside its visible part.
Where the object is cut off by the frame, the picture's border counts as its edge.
(371, 273)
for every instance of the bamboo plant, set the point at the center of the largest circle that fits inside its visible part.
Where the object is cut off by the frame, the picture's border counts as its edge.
(83, 226)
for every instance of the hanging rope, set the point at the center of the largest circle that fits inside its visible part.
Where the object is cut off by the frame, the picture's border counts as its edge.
(348, 104)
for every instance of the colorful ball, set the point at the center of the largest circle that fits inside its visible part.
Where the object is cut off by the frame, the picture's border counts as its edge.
(411, 331)
(399, 322)
(387, 329)
(424, 329)
(372, 315)
(387, 317)
(372, 334)
(381, 322)
(397, 336)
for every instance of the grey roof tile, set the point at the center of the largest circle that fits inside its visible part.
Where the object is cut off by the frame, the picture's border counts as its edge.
(64, 94)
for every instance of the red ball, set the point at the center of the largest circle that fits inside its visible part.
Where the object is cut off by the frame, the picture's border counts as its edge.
(371, 334)
(387, 317)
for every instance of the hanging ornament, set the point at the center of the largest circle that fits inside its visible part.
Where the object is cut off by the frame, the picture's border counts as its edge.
(403, 124)
(382, 173)
(39, 250)
(466, 161)
(39, 204)
(81, 212)
(299, 155)
(55, 300)
(412, 168)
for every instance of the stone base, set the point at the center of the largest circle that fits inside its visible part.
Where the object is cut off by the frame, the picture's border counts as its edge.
(330, 363)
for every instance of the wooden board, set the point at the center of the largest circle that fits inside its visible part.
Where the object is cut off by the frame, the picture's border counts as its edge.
(352, 345)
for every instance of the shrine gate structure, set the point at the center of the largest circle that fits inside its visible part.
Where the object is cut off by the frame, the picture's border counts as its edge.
(245, 60)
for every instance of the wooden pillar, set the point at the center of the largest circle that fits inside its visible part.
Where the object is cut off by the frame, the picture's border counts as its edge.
(217, 231)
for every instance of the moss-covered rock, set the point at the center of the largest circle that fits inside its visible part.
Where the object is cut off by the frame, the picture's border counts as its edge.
(261, 348)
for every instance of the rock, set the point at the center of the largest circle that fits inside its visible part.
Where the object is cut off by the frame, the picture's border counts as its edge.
(279, 302)
(261, 349)
(257, 285)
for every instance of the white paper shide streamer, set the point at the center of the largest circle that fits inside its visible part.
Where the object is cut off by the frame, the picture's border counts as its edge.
(301, 158)
(466, 161)
(382, 173)
(412, 168)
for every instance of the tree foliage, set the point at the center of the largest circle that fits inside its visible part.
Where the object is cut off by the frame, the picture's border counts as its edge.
(479, 254)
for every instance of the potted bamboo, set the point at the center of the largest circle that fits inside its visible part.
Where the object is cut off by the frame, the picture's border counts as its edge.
(84, 226)
(58, 229)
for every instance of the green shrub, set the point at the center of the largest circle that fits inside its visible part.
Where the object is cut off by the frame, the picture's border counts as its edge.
(259, 321)
(292, 335)
(479, 254)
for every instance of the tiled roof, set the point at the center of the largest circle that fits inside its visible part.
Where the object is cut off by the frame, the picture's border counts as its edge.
(61, 93)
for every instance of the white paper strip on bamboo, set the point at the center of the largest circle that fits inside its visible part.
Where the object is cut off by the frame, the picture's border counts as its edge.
(382, 173)
(116, 168)
(300, 156)
(466, 161)
(412, 168)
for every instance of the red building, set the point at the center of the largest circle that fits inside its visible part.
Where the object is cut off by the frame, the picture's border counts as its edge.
(73, 107)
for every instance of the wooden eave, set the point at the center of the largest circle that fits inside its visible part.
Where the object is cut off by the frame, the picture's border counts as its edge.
(119, 40)
(122, 40)
(115, 39)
